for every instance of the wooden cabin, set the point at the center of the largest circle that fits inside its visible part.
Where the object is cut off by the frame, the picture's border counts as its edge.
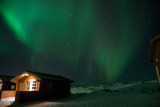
(34, 86)
(7, 88)
(154, 55)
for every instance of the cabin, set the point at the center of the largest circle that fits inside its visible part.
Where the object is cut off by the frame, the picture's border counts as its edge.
(40, 86)
(154, 55)
(7, 88)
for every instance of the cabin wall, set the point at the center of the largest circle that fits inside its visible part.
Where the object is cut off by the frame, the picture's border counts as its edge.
(25, 96)
(48, 90)
(1, 86)
(26, 78)
(157, 50)
(0, 94)
(54, 89)
(157, 69)
(8, 85)
(157, 60)
(23, 82)
(17, 85)
(8, 93)
(62, 89)
(7, 89)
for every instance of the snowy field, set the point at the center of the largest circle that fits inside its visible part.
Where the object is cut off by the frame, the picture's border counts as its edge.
(133, 94)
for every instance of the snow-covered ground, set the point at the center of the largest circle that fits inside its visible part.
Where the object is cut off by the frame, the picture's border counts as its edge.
(133, 94)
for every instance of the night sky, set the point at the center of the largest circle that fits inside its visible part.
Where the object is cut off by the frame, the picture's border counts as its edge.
(89, 41)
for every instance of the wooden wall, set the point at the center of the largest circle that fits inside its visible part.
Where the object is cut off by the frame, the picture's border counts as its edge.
(54, 89)
(25, 96)
(7, 85)
(156, 60)
(0, 94)
(49, 89)
(24, 80)
(157, 50)
(0, 86)
(8, 93)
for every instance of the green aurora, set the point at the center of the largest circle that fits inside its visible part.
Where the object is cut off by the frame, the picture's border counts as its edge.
(87, 35)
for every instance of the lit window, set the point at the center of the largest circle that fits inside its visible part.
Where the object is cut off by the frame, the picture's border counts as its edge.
(13, 87)
(34, 85)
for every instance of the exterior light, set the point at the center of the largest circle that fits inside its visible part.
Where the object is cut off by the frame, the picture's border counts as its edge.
(25, 74)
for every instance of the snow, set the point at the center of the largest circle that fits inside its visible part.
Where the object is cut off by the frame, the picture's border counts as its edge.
(6, 101)
(9, 99)
(133, 94)
(112, 86)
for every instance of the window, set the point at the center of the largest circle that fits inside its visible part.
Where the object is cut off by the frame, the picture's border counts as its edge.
(13, 87)
(34, 85)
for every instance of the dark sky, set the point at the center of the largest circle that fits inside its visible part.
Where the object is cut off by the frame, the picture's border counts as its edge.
(89, 41)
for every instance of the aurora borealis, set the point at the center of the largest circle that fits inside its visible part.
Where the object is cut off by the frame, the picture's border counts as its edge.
(85, 40)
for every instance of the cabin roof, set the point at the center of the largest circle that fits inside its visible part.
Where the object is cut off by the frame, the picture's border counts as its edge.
(153, 46)
(44, 76)
(6, 77)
